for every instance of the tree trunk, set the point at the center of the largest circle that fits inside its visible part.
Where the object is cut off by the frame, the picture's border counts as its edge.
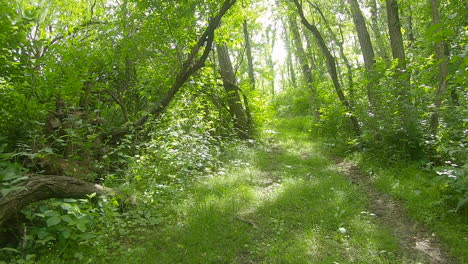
(43, 187)
(248, 48)
(365, 44)
(302, 56)
(310, 50)
(410, 33)
(381, 48)
(394, 30)
(238, 113)
(398, 50)
(348, 67)
(349, 74)
(363, 34)
(289, 61)
(441, 54)
(403, 78)
(269, 58)
(331, 63)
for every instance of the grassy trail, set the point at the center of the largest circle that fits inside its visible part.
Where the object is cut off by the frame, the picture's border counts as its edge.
(281, 202)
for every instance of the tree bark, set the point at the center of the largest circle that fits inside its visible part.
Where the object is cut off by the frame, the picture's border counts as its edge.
(441, 54)
(310, 50)
(289, 61)
(43, 187)
(349, 69)
(363, 34)
(410, 33)
(269, 58)
(238, 113)
(248, 48)
(331, 63)
(394, 30)
(302, 56)
(403, 78)
(381, 48)
(365, 44)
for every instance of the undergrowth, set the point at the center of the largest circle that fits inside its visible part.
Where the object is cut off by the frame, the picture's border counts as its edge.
(277, 200)
(190, 196)
(434, 194)
(148, 178)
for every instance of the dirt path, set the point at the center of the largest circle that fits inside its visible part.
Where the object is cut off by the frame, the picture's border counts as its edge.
(413, 237)
(285, 201)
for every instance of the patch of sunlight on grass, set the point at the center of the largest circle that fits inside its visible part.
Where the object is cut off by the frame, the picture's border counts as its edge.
(424, 200)
(208, 231)
(281, 202)
(301, 224)
(377, 245)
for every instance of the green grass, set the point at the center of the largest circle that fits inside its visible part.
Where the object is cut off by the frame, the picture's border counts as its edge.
(279, 202)
(423, 196)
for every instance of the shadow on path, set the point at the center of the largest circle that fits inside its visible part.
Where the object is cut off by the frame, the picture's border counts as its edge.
(286, 204)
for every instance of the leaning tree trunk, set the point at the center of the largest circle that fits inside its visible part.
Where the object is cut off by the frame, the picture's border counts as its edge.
(363, 34)
(302, 57)
(349, 68)
(331, 63)
(190, 66)
(43, 187)
(238, 113)
(365, 43)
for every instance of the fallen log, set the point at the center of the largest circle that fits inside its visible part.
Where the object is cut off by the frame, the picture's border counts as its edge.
(43, 187)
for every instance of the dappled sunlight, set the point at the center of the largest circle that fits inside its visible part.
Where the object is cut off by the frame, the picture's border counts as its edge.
(233, 131)
(303, 221)
(280, 202)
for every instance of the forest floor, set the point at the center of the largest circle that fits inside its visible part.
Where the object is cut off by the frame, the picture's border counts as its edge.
(285, 201)
(391, 214)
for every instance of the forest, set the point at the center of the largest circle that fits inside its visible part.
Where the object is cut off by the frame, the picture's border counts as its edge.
(233, 131)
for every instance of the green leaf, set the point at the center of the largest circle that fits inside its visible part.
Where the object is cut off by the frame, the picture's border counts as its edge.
(54, 220)
(87, 236)
(47, 150)
(10, 250)
(67, 218)
(81, 227)
(51, 213)
(66, 233)
(42, 233)
(66, 206)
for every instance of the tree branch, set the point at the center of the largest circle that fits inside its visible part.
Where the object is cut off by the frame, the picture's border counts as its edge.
(190, 66)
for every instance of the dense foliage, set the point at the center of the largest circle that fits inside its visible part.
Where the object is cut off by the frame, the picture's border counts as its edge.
(396, 121)
(147, 97)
